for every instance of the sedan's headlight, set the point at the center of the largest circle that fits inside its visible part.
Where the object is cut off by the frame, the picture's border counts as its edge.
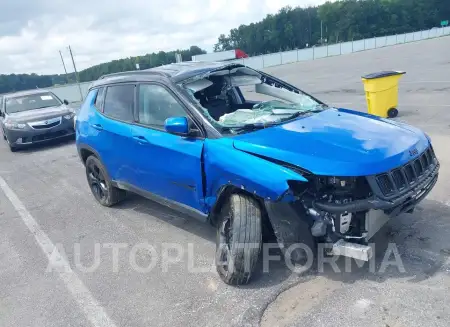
(69, 116)
(11, 125)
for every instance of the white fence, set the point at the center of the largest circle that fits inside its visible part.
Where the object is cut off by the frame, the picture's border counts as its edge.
(72, 93)
(281, 58)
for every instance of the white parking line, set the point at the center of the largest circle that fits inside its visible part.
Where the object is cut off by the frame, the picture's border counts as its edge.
(91, 308)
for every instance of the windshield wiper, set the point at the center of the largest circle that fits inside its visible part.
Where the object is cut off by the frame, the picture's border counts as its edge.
(249, 127)
(301, 113)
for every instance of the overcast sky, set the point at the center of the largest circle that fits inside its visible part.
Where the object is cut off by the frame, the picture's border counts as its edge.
(32, 31)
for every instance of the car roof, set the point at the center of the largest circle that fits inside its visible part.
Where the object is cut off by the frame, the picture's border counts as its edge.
(24, 93)
(176, 72)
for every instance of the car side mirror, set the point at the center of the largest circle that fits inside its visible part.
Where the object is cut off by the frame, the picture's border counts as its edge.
(66, 102)
(177, 126)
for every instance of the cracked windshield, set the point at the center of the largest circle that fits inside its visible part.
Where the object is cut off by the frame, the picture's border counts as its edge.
(240, 97)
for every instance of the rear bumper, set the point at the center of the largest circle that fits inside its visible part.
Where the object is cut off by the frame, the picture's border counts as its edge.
(29, 135)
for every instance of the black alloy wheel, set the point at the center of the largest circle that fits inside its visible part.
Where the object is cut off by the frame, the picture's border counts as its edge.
(97, 182)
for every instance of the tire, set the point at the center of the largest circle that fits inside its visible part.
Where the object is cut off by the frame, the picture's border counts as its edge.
(293, 232)
(100, 183)
(11, 147)
(392, 113)
(239, 239)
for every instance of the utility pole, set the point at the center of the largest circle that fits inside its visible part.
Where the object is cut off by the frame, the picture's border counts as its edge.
(76, 73)
(321, 32)
(64, 65)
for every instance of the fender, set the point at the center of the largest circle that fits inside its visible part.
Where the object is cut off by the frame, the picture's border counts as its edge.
(81, 147)
(224, 166)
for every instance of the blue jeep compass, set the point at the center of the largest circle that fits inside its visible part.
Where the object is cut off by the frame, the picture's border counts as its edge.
(248, 152)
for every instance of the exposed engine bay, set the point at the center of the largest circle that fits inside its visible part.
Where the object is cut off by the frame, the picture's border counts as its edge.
(348, 211)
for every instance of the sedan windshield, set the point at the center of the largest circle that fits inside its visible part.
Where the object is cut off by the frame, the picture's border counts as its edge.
(31, 102)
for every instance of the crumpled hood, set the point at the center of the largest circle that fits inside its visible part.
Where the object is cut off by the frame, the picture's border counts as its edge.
(337, 142)
(39, 114)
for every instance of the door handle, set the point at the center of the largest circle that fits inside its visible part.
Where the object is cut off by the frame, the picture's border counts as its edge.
(97, 126)
(140, 139)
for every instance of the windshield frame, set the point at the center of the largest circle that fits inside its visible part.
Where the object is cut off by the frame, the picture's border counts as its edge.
(266, 78)
(12, 96)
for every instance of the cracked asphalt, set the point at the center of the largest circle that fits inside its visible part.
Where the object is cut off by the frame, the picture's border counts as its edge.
(50, 183)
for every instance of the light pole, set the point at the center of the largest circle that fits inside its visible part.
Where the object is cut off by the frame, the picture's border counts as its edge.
(64, 65)
(321, 32)
(76, 73)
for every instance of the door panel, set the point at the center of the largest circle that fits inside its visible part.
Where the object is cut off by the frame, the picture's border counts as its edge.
(113, 141)
(168, 165)
(111, 125)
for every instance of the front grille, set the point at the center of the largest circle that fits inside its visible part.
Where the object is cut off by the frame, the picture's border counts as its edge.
(402, 178)
(399, 179)
(418, 167)
(409, 172)
(47, 126)
(385, 184)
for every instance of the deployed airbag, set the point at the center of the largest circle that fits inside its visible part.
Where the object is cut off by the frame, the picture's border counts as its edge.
(199, 85)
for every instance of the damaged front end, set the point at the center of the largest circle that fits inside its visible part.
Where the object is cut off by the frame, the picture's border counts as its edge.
(346, 212)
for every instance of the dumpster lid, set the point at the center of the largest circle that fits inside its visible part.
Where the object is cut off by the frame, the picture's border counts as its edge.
(383, 74)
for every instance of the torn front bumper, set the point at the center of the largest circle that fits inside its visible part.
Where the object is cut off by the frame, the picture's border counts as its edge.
(294, 223)
(393, 206)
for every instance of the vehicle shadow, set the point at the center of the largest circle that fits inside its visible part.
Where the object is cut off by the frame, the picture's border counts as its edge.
(189, 224)
(412, 247)
(277, 273)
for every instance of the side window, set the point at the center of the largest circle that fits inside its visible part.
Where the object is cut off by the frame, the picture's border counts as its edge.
(156, 104)
(119, 102)
(99, 98)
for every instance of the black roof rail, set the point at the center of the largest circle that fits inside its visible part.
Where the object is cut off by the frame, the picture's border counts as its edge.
(133, 72)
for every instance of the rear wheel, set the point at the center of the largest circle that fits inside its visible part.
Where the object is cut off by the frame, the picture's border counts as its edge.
(239, 239)
(100, 183)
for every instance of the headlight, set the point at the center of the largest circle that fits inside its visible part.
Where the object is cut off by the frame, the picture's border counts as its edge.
(11, 125)
(69, 116)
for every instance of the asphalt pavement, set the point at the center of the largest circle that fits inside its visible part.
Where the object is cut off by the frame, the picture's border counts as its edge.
(45, 203)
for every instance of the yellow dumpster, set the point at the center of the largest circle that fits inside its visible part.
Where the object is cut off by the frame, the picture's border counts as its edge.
(382, 93)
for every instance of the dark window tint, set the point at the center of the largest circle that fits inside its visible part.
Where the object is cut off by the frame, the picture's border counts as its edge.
(99, 98)
(156, 104)
(119, 102)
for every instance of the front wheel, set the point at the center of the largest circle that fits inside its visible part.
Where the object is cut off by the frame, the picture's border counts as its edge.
(239, 239)
(11, 147)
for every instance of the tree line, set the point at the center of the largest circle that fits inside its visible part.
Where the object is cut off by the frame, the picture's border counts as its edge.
(18, 82)
(290, 28)
(333, 22)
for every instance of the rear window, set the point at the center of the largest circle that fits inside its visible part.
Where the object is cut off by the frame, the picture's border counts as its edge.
(99, 98)
(119, 101)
